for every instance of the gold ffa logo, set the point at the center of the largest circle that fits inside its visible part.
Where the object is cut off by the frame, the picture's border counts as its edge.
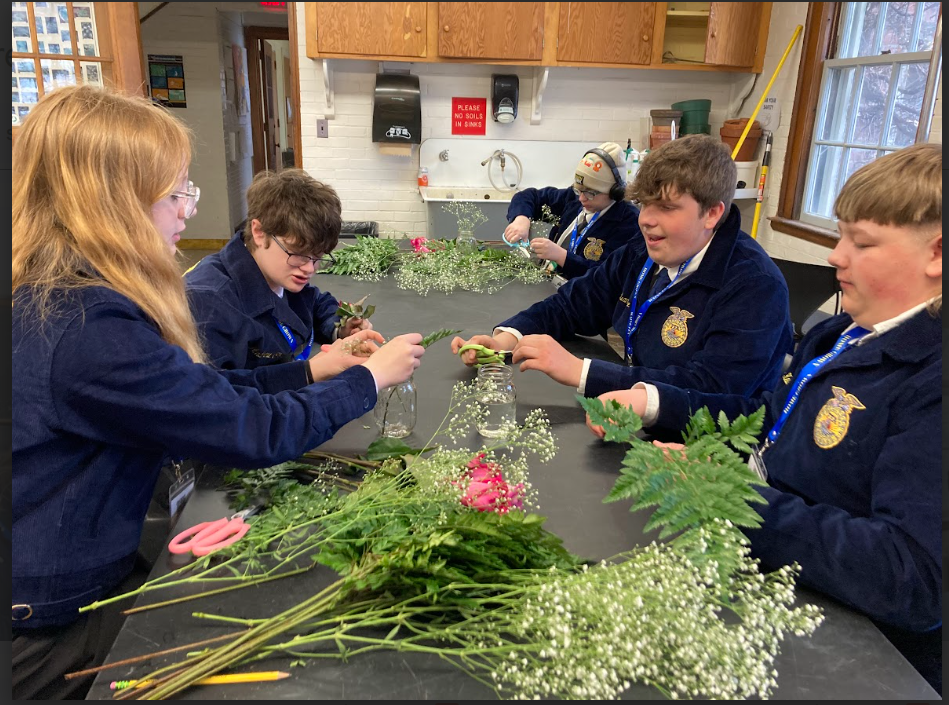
(675, 330)
(833, 420)
(787, 378)
(594, 249)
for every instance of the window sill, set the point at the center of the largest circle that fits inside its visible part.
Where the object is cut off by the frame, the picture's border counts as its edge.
(805, 231)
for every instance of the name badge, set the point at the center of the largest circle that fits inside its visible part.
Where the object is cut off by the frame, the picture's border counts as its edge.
(180, 491)
(757, 465)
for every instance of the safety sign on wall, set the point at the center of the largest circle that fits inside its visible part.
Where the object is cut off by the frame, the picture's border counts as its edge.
(468, 116)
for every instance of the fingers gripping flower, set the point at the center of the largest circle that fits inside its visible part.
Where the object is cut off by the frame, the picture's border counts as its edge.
(487, 490)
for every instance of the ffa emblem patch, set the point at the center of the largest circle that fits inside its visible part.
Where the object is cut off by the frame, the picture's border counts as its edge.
(594, 249)
(675, 330)
(787, 378)
(833, 420)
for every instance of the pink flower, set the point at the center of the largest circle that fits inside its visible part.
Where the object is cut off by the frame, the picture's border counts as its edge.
(418, 244)
(486, 489)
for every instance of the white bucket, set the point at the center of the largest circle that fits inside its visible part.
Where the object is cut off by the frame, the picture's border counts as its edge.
(747, 172)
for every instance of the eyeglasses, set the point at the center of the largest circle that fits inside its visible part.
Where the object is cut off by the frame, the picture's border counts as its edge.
(295, 260)
(588, 194)
(192, 196)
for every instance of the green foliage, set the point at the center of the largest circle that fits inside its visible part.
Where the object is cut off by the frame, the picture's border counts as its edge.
(447, 268)
(703, 485)
(368, 259)
(438, 335)
(384, 448)
(347, 311)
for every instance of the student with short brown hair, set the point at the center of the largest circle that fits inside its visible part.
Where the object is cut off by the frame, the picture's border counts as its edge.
(253, 301)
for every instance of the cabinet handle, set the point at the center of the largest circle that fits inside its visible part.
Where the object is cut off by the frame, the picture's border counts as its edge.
(645, 37)
(445, 28)
(418, 29)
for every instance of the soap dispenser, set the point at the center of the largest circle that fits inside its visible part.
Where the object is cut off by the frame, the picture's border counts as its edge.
(504, 97)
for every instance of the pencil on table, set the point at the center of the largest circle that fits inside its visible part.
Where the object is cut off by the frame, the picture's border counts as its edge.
(250, 677)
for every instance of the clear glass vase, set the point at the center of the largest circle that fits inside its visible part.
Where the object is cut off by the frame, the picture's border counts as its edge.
(496, 394)
(396, 409)
(466, 241)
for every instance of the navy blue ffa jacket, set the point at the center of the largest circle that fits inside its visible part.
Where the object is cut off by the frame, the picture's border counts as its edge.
(855, 477)
(615, 228)
(239, 317)
(725, 328)
(101, 400)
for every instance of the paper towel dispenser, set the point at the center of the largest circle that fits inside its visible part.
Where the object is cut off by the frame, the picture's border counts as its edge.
(397, 109)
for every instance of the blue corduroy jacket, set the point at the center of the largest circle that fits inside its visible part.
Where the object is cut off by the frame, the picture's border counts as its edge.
(619, 225)
(100, 401)
(730, 318)
(855, 477)
(237, 314)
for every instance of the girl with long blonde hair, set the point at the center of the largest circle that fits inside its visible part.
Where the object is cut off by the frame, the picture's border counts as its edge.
(108, 372)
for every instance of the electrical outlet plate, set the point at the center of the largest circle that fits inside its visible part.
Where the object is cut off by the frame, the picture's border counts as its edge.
(322, 127)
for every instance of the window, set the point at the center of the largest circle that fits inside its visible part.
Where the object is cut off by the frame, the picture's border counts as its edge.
(864, 90)
(65, 43)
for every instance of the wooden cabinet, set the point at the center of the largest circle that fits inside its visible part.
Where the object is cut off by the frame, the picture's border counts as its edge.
(509, 31)
(702, 36)
(719, 34)
(606, 32)
(381, 29)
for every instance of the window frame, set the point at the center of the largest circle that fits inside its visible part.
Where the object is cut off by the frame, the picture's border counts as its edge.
(820, 39)
(115, 22)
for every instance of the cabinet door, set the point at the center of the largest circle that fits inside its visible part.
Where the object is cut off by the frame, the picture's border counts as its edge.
(606, 32)
(491, 30)
(384, 28)
(732, 33)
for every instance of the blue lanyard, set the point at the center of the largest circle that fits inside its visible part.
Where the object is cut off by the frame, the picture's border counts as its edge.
(807, 374)
(293, 341)
(575, 237)
(636, 318)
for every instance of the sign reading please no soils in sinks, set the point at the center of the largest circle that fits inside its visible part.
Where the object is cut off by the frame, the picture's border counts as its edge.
(468, 116)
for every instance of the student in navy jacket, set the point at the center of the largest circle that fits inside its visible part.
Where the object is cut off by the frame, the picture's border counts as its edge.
(253, 302)
(108, 371)
(595, 220)
(711, 313)
(854, 467)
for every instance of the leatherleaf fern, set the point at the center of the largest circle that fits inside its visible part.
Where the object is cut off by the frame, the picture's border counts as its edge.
(705, 482)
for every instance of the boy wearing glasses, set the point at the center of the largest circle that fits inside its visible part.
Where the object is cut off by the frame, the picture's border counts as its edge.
(698, 303)
(253, 302)
(594, 217)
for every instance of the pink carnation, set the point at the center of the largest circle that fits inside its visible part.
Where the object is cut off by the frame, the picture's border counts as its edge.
(418, 244)
(487, 490)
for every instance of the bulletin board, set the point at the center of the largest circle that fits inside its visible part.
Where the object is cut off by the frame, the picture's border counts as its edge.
(166, 76)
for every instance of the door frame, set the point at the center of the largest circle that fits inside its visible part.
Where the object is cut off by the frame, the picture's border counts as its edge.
(252, 37)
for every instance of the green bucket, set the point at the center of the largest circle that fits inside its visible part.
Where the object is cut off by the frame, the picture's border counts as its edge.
(694, 114)
(705, 129)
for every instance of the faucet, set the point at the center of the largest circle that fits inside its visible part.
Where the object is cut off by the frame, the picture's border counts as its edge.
(443, 155)
(499, 153)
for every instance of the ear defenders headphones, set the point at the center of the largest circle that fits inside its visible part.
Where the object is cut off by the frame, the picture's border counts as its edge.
(618, 190)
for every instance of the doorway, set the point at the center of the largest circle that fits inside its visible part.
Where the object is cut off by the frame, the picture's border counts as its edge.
(272, 98)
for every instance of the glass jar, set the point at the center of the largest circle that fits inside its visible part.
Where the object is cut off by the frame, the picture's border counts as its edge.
(496, 393)
(396, 409)
(466, 241)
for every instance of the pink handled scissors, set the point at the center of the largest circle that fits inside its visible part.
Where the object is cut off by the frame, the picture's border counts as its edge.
(201, 539)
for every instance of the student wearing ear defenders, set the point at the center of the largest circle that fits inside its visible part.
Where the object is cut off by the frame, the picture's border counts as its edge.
(594, 217)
